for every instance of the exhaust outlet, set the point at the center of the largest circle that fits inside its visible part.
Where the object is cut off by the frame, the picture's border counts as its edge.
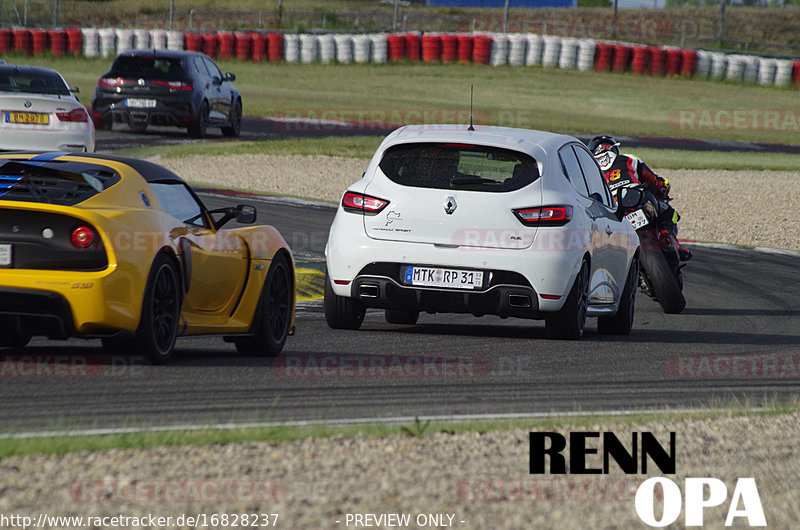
(519, 300)
(366, 290)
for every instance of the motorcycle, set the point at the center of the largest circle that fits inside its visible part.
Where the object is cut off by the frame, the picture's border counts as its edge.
(660, 275)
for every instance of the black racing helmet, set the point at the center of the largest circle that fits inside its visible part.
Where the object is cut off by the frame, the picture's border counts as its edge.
(602, 143)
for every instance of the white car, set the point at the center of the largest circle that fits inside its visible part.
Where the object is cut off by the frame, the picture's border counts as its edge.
(39, 112)
(488, 221)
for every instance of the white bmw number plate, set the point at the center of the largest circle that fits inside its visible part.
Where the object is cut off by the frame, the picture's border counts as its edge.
(140, 103)
(5, 255)
(450, 278)
(637, 219)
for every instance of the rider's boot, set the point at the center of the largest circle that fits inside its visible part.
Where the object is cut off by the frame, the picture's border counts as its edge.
(669, 238)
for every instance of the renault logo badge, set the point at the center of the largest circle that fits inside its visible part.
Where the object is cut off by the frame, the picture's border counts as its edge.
(450, 205)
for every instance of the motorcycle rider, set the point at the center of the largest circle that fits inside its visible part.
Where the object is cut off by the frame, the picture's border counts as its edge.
(623, 170)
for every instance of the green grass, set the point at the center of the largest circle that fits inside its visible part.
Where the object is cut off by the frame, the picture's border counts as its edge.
(277, 434)
(552, 99)
(364, 146)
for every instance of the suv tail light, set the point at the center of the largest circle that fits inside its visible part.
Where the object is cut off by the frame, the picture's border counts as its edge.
(544, 216)
(360, 203)
(73, 115)
(114, 82)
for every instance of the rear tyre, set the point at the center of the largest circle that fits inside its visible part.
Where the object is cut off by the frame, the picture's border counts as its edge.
(569, 322)
(399, 316)
(661, 282)
(342, 312)
(197, 129)
(622, 322)
(235, 127)
(158, 326)
(275, 312)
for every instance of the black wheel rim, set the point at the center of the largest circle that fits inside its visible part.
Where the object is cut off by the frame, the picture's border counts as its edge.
(583, 297)
(237, 117)
(165, 308)
(279, 301)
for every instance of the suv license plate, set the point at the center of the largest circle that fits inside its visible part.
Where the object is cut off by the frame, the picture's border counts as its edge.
(140, 103)
(5, 255)
(449, 278)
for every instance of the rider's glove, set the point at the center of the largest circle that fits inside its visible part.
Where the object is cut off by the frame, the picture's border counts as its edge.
(662, 185)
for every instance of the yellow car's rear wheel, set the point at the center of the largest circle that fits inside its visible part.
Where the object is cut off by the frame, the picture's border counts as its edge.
(158, 326)
(274, 312)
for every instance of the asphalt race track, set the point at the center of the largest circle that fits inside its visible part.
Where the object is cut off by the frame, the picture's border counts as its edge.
(736, 343)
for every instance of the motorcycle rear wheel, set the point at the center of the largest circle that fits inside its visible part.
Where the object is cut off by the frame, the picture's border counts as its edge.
(661, 281)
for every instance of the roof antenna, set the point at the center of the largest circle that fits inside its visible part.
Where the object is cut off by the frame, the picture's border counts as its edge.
(470, 128)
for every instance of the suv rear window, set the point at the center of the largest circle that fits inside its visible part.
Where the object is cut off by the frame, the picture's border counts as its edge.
(458, 166)
(149, 67)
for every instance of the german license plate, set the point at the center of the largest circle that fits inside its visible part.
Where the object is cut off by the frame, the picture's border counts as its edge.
(5, 255)
(140, 103)
(637, 219)
(35, 118)
(448, 278)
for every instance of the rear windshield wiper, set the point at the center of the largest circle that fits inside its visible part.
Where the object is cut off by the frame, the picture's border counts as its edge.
(470, 180)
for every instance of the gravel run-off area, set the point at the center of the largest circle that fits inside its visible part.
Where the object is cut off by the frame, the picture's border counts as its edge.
(481, 479)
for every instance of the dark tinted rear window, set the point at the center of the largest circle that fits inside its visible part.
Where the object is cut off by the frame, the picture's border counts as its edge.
(37, 81)
(149, 67)
(458, 166)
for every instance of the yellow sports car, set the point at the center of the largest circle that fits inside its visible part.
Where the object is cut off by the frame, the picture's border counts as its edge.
(123, 250)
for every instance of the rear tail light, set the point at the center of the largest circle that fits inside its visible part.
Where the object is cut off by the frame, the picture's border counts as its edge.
(175, 85)
(544, 216)
(360, 203)
(74, 115)
(114, 82)
(82, 237)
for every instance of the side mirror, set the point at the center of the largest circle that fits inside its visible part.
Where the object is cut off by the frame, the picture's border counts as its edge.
(246, 214)
(75, 90)
(630, 198)
(230, 77)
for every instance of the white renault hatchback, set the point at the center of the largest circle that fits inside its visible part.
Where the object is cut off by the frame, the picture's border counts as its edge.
(487, 221)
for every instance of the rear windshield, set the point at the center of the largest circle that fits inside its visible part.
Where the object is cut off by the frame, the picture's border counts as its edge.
(39, 82)
(458, 166)
(149, 67)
